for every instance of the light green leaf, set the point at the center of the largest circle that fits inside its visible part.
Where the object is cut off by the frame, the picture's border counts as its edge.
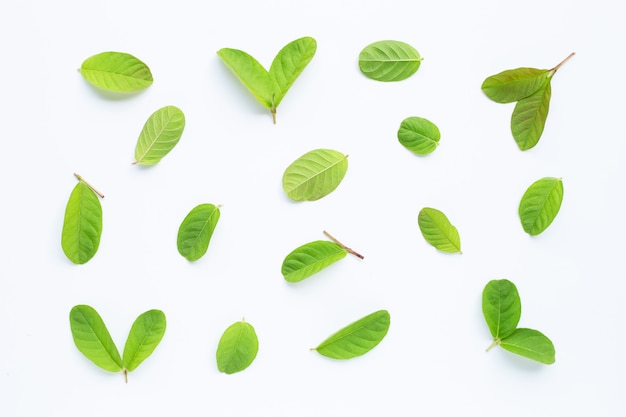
(251, 73)
(502, 307)
(513, 85)
(93, 339)
(116, 71)
(82, 226)
(315, 174)
(194, 233)
(389, 61)
(531, 344)
(237, 348)
(159, 135)
(419, 135)
(144, 336)
(311, 258)
(289, 64)
(357, 338)
(540, 204)
(438, 231)
(529, 117)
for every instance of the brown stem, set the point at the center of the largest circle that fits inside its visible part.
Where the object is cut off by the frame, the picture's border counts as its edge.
(555, 69)
(331, 237)
(125, 372)
(81, 179)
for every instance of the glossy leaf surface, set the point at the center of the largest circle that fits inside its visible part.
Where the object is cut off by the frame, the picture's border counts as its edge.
(311, 258)
(315, 174)
(529, 117)
(438, 231)
(159, 135)
(196, 230)
(516, 84)
(92, 338)
(389, 60)
(419, 135)
(540, 204)
(237, 348)
(82, 226)
(144, 336)
(531, 344)
(116, 71)
(502, 307)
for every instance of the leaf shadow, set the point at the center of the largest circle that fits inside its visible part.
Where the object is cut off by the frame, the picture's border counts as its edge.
(242, 91)
(522, 363)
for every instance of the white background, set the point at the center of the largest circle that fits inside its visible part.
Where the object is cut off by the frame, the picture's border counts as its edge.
(433, 360)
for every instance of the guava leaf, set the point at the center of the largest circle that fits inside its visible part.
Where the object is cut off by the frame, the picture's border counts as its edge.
(540, 204)
(531, 344)
(515, 84)
(289, 64)
(92, 338)
(196, 230)
(237, 348)
(311, 258)
(159, 135)
(116, 71)
(420, 136)
(82, 226)
(315, 174)
(529, 117)
(502, 307)
(144, 336)
(389, 60)
(438, 231)
(251, 73)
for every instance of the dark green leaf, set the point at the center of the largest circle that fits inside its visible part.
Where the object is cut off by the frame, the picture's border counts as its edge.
(531, 344)
(237, 348)
(93, 339)
(502, 307)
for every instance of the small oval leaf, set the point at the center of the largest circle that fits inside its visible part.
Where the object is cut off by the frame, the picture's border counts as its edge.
(237, 348)
(315, 174)
(420, 136)
(502, 307)
(540, 204)
(82, 226)
(357, 338)
(389, 60)
(92, 338)
(116, 71)
(144, 336)
(438, 231)
(529, 117)
(311, 258)
(516, 84)
(194, 233)
(159, 135)
(531, 344)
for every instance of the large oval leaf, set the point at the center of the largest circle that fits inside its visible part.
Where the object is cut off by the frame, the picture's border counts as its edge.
(529, 117)
(289, 64)
(237, 348)
(540, 204)
(82, 226)
(502, 307)
(315, 174)
(389, 61)
(311, 258)
(116, 71)
(513, 85)
(144, 336)
(531, 344)
(438, 231)
(194, 233)
(357, 338)
(159, 135)
(420, 136)
(92, 338)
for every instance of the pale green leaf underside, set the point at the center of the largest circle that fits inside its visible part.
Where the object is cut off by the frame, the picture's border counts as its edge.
(159, 135)
(314, 175)
(144, 336)
(438, 231)
(237, 348)
(357, 338)
(82, 226)
(529, 117)
(311, 258)
(531, 344)
(516, 84)
(389, 60)
(196, 230)
(116, 71)
(502, 307)
(93, 339)
(540, 204)
(289, 64)
(420, 136)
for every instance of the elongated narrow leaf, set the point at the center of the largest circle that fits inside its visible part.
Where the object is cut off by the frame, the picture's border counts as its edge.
(311, 258)
(516, 84)
(529, 117)
(144, 336)
(237, 348)
(93, 339)
(357, 338)
(540, 204)
(502, 307)
(116, 71)
(289, 64)
(251, 73)
(420, 136)
(159, 135)
(194, 233)
(315, 174)
(531, 344)
(389, 61)
(82, 226)
(438, 231)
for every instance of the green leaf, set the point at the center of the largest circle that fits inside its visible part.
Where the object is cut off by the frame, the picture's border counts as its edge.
(540, 204)
(513, 85)
(145, 335)
(531, 344)
(82, 226)
(357, 338)
(389, 61)
(438, 231)
(289, 64)
(529, 117)
(315, 174)
(311, 258)
(419, 135)
(159, 135)
(93, 339)
(116, 71)
(502, 307)
(251, 73)
(237, 348)
(194, 233)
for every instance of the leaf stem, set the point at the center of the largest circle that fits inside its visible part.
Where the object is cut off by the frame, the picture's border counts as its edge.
(496, 342)
(91, 187)
(555, 69)
(125, 372)
(273, 110)
(331, 237)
